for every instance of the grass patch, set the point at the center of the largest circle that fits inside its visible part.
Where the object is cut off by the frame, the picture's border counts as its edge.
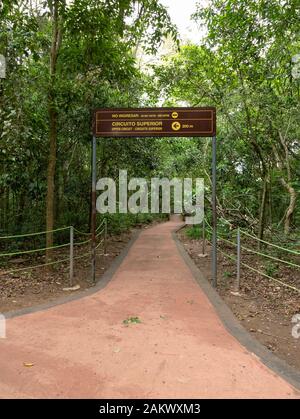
(131, 320)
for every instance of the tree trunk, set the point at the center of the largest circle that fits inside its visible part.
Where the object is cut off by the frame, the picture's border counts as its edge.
(50, 180)
(262, 213)
(287, 184)
(52, 113)
(21, 206)
(291, 208)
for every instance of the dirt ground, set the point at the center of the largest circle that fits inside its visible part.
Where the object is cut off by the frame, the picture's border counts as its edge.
(32, 287)
(265, 308)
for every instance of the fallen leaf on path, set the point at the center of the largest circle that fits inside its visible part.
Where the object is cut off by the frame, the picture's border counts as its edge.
(237, 294)
(28, 364)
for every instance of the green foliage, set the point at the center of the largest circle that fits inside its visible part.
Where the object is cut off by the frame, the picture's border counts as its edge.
(194, 232)
(131, 320)
(271, 269)
(243, 67)
(96, 67)
(227, 274)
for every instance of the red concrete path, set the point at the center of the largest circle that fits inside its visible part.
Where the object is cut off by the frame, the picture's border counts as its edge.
(181, 349)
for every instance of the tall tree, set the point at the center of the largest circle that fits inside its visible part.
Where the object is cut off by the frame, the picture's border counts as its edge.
(57, 10)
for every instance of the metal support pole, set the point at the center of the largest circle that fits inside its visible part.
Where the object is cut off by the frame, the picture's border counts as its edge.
(105, 236)
(203, 237)
(71, 255)
(238, 261)
(214, 212)
(93, 217)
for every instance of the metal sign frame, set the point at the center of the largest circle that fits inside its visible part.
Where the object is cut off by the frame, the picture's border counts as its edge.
(135, 117)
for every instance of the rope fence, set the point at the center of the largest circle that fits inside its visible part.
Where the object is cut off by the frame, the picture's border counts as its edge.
(34, 234)
(238, 258)
(101, 231)
(294, 252)
(23, 252)
(33, 267)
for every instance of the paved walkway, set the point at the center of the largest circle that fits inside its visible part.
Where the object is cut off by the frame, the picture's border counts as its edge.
(180, 349)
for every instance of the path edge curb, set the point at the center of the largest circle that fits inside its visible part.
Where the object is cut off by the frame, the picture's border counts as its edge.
(100, 284)
(232, 325)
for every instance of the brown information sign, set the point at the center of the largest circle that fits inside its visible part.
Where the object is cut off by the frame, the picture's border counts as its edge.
(155, 122)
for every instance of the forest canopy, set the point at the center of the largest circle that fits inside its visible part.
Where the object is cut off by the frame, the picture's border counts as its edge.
(65, 58)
